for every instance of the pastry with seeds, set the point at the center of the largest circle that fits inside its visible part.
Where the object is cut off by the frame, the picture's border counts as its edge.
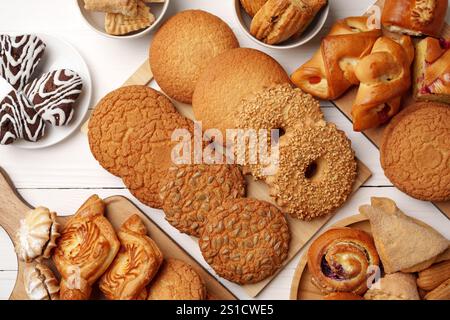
(177, 280)
(192, 191)
(245, 240)
(415, 151)
(183, 47)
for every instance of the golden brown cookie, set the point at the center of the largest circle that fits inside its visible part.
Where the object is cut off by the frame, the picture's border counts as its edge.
(316, 172)
(183, 47)
(245, 240)
(229, 78)
(252, 6)
(177, 280)
(190, 192)
(130, 135)
(415, 151)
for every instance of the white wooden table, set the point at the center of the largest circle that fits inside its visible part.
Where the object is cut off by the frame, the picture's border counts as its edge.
(63, 176)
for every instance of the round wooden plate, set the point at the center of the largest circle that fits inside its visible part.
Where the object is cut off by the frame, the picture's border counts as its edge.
(302, 287)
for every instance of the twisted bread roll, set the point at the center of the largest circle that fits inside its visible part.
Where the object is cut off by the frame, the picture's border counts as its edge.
(339, 260)
(330, 72)
(385, 76)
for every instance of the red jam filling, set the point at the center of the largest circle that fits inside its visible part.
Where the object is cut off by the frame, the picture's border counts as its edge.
(315, 80)
(383, 114)
(445, 44)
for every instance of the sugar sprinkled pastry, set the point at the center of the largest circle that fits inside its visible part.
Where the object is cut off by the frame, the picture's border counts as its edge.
(53, 95)
(37, 234)
(120, 24)
(19, 57)
(19, 120)
(40, 283)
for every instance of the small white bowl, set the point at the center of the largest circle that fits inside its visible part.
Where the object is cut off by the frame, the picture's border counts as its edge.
(96, 20)
(316, 25)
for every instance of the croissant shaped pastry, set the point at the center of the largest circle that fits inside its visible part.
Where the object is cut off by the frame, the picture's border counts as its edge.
(86, 248)
(340, 258)
(37, 234)
(385, 76)
(135, 265)
(331, 71)
(40, 283)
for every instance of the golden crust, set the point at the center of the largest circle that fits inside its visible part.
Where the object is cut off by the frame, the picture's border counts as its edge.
(252, 6)
(125, 7)
(134, 266)
(86, 248)
(120, 24)
(245, 240)
(39, 282)
(199, 36)
(177, 280)
(415, 151)
(339, 260)
(396, 286)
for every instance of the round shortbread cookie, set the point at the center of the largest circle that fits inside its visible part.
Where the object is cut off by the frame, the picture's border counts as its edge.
(228, 79)
(190, 192)
(245, 240)
(415, 151)
(182, 48)
(176, 280)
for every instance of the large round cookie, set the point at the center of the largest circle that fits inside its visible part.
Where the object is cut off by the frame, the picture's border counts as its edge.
(415, 151)
(190, 192)
(245, 240)
(176, 280)
(229, 78)
(183, 47)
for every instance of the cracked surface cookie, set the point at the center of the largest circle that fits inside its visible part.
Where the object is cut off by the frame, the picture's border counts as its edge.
(245, 240)
(183, 47)
(177, 280)
(415, 151)
(190, 192)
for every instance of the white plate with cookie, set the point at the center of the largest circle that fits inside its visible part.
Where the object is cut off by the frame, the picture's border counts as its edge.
(59, 54)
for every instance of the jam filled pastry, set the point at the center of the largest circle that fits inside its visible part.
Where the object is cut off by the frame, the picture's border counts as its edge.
(85, 250)
(432, 70)
(53, 95)
(340, 258)
(19, 120)
(19, 57)
(135, 265)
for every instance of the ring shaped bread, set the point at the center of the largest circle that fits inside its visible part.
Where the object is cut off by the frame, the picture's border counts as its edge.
(183, 47)
(415, 151)
(229, 78)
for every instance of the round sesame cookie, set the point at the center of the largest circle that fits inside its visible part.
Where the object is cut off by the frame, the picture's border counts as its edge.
(229, 78)
(190, 192)
(245, 240)
(415, 151)
(176, 280)
(277, 107)
(316, 171)
(182, 48)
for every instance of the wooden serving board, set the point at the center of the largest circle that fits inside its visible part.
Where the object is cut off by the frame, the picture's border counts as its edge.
(302, 288)
(301, 231)
(374, 135)
(118, 209)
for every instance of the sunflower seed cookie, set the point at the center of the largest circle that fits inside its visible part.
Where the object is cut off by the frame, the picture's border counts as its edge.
(192, 191)
(245, 240)
(183, 47)
(177, 280)
(415, 151)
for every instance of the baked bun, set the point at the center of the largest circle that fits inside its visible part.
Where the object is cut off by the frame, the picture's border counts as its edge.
(342, 296)
(415, 17)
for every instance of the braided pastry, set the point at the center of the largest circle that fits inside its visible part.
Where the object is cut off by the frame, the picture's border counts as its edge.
(339, 260)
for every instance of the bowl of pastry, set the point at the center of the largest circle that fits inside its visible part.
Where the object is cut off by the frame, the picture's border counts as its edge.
(123, 19)
(281, 24)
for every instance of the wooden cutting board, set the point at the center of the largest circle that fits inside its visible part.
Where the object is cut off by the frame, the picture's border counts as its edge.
(118, 209)
(374, 135)
(302, 288)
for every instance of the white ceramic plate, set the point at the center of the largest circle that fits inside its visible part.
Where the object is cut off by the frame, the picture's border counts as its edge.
(244, 20)
(59, 54)
(96, 20)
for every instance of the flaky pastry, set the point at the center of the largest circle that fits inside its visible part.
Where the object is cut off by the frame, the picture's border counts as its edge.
(125, 7)
(40, 283)
(120, 24)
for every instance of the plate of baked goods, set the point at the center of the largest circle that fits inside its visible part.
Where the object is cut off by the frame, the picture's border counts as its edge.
(281, 24)
(45, 90)
(123, 19)
(380, 254)
(108, 249)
